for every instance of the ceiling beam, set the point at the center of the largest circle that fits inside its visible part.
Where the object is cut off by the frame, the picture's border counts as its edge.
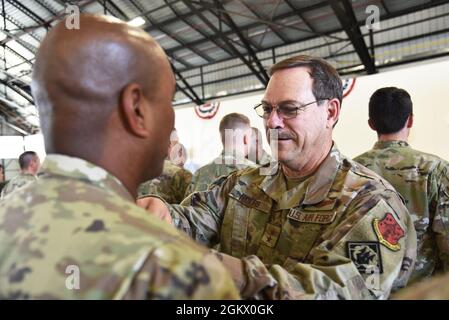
(346, 16)
(300, 15)
(144, 14)
(27, 11)
(245, 42)
(228, 42)
(188, 89)
(274, 29)
(248, 26)
(197, 29)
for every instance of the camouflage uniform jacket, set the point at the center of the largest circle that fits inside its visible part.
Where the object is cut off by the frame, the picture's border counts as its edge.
(77, 218)
(423, 181)
(265, 159)
(435, 288)
(223, 165)
(171, 185)
(344, 233)
(19, 181)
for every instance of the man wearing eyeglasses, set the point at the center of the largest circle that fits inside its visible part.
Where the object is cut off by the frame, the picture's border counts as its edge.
(317, 225)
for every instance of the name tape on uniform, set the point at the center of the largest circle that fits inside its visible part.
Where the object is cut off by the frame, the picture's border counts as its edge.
(312, 217)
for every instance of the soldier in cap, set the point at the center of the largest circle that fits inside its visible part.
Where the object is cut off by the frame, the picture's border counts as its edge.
(314, 226)
(104, 94)
(421, 178)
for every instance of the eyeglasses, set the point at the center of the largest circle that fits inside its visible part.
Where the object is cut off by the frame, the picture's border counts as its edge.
(285, 110)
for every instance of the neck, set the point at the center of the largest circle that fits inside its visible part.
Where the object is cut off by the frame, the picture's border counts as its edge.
(27, 171)
(397, 136)
(308, 167)
(113, 164)
(259, 154)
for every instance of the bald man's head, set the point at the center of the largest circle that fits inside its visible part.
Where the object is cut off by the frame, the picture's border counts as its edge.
(106, 79)
(84, 70)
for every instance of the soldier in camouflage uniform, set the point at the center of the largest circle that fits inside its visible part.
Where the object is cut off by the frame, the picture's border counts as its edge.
(256, 153)
(29, 163)
(316, 225)
(171, 185)
(2, 177)
(421, 178)
(233, 157)
(76, 232)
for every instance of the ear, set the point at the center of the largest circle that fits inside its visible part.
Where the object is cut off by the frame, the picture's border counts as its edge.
(410, 121)
(133, 107)
(333, 112)
(247, 137)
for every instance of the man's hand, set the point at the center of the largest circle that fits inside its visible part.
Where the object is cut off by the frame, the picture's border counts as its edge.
(156, 207)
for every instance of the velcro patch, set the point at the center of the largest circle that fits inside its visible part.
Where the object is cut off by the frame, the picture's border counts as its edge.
(366, 256)
(271, 235)
(312, 217)
(388, 231)
(250, 202)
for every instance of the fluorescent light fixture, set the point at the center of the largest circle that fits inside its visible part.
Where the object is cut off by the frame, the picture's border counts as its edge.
(137, 22)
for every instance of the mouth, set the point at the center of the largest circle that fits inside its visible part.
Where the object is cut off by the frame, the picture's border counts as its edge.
(283, 139)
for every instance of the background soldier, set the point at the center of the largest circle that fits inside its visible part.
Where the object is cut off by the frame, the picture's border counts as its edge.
(421, 178)
(319, 225)
(236, 147)
(256, 152)
(29, 163)
(106, 123)
(172, 184)
(2, 177)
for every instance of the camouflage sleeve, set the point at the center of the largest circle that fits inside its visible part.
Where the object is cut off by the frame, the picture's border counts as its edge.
(173, 272)
(440, 225)
(369, 254)
(192, 185)
(180, 183)
(200, 215)
(435, 288)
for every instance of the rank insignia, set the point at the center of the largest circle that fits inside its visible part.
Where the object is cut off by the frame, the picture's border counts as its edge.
(388, 231)
(366, 256)
(271, 235)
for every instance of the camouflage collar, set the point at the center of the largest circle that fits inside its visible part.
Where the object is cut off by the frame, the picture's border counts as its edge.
(76, 168)
(319, 185)
(391, 144)
(26, 174)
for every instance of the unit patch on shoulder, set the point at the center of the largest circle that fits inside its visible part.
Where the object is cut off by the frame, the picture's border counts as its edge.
(366, 256)
(389, 231)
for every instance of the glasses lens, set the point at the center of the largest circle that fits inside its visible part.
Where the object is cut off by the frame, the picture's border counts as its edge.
(263, 110)
(288, 110)
(259, 110)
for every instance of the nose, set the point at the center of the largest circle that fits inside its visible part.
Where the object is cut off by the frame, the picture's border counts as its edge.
(274, 121)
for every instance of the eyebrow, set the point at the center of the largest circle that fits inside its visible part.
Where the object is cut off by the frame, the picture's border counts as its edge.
(284, 101)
